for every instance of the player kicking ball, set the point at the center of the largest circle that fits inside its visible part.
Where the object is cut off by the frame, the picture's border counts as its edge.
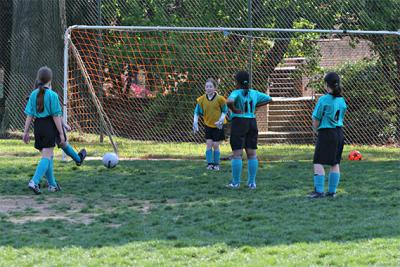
(44, 108)
(328, 118)
(213, 108)
(244, 132)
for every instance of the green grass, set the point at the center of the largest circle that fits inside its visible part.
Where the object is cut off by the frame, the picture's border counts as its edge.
(175, 213)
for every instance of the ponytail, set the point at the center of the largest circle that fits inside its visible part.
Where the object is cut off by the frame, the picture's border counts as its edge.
(243, 80)
(44, 76)
(40, 99)
(332, 79)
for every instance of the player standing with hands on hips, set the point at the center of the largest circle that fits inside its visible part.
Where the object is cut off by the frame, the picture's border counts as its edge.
(213, 108)
(244, 132)
(44, 108)
(328, 118)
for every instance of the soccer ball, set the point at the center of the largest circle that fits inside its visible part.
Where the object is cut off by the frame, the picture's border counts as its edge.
(110, 160)
(355, 155)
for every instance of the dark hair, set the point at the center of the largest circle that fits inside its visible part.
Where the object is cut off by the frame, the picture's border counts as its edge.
(211, 80)
(44, 76)
(332, 79)
(243, 79)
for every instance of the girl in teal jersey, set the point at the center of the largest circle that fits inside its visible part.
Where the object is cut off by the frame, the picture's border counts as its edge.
(328, 119)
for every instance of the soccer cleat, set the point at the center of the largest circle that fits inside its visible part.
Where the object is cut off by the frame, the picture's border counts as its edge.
(210, 166)
(329, 194)
(216, 168)
(82, 154)
(252, 186)
(35, 188)
(316, 194)
(233, 185)
(56, 188)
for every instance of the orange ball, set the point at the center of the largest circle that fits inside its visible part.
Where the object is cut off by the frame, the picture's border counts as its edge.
(355, 155)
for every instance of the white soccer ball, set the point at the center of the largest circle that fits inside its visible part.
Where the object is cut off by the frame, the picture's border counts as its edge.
(110, 160)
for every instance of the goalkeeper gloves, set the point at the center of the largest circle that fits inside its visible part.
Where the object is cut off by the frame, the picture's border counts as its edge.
(220, 122)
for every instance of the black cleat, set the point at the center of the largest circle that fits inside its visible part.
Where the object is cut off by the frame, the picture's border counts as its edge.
(82, 154)
(35, 188)
(316, 194)
(329, 194)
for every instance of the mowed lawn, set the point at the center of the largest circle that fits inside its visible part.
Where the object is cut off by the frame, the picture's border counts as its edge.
(176, 213)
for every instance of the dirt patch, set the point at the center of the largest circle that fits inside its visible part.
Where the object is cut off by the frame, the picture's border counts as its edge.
(23, 209)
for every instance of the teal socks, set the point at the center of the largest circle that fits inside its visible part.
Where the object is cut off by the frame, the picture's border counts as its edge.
(319, 181)
(51, 180)
(217, 156)
(236, 170)
(41, 170)
(209, 156)
(333, 181)
(252, 170)
(71, 152)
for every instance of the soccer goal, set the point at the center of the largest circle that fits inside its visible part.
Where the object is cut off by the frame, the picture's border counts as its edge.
(141, 83)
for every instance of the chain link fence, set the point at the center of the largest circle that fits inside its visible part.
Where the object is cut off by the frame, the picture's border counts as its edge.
(131, 83)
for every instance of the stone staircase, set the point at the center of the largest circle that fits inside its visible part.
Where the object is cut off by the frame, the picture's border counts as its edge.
(283, 121)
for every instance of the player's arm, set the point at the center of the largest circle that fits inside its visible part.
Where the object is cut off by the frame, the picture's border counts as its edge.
(221, 120)
(263, 99)
(56, 113)
(28, 122)
(317, 115)
(198, 111)
(231, 105)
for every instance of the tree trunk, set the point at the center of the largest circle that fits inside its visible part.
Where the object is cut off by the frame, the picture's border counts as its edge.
(37, 40)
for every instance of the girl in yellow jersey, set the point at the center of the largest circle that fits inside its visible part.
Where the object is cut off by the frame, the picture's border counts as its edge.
(213, 108)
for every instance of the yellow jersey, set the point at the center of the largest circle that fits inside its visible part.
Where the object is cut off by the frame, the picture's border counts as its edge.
(211, 109)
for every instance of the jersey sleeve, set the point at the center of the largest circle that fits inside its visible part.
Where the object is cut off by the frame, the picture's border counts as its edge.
(262, 98)
(222, 104)
(29, 109)
(198, 110)
(318, 111)
(55, 107)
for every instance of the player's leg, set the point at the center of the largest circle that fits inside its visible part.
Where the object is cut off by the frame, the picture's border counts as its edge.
(41, 169)
(217, 155)
(209, 154)
(237, 141)
(67, 148)
(334, 174)
(53, 185)
(219, 135)
(209, 143)
(320, 155)
(251, 151)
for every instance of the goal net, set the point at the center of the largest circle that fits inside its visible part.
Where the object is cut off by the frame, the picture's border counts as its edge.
(142, 83)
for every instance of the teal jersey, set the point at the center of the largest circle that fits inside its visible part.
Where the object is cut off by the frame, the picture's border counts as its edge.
(52, 105)
(330, 111)
(247, 103)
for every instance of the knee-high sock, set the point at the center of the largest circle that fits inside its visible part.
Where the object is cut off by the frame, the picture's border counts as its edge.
(217, 155)
(252, 170)
(71, 152)
(40, 170)
(333, 181)
(50, 174)
(236, 170)
(209, 156)
(319, 181)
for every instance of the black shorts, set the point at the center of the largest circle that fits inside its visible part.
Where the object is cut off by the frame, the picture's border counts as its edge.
(46, 133)
(329, 147)
(244, 133)
(214, 134)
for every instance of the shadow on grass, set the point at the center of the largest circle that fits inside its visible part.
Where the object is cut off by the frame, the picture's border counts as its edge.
(182, 203)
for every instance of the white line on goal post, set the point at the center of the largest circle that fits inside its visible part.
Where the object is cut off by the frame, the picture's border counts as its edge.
(65, 88)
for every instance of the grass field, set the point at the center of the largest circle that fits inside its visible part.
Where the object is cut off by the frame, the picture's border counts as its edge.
(175, 213)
